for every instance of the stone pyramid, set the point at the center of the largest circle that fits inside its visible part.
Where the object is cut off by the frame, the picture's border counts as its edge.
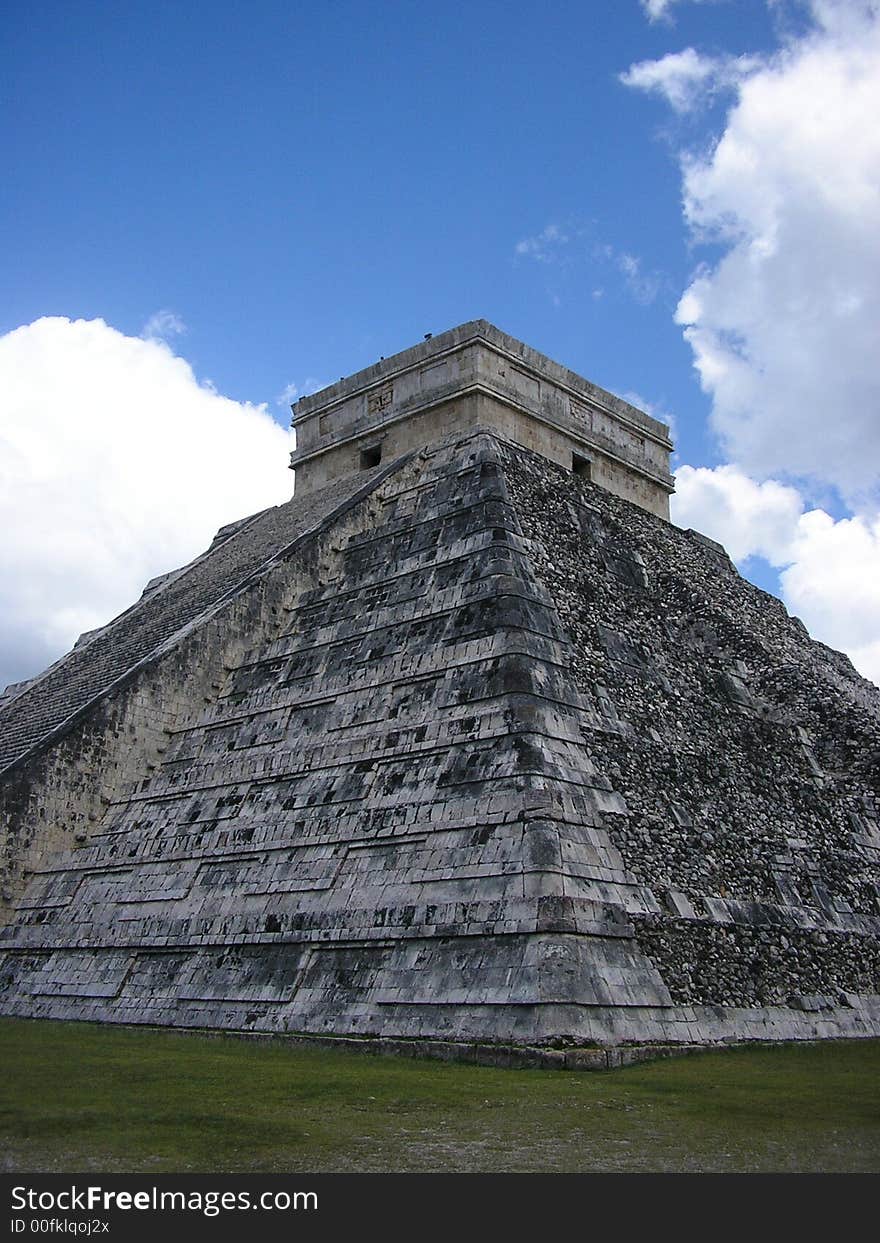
(466, 742)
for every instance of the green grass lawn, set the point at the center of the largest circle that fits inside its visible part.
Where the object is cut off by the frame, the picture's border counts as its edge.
(79, 1098)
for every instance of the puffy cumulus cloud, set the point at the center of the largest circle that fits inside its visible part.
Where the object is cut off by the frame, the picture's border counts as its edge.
(685, 79)
(784, 327)
(115, 465)
(829, 569)
(833, 583)
(747, 517)
(784, 324)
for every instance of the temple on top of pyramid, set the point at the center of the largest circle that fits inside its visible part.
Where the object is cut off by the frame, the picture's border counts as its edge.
(466, 743)
(477, 376)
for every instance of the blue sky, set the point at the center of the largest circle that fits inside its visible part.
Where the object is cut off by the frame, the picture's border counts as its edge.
(302, 187)
(309, 186)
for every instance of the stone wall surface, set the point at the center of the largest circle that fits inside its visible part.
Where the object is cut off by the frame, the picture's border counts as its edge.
(477, 376)
(748, 756)
(101, 716)
(482, 753)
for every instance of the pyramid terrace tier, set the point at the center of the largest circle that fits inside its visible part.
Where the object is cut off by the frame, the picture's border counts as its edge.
(487, 754)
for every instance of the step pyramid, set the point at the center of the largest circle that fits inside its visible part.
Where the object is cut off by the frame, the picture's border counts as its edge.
(460, 746)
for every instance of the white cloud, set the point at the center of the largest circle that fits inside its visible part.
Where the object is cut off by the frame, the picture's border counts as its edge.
(570, 245)
(833, 583)
(163, 325)
(784, 327)
(543, 246)
(660, 10)
(830, 569)
(644, 286)
(685, 79)
(747, 517)
(288, 395)
(292, 392)
(785, 324)
(115, 465)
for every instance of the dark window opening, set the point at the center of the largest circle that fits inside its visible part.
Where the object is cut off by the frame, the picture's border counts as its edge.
(581, 466)
(371, 457)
